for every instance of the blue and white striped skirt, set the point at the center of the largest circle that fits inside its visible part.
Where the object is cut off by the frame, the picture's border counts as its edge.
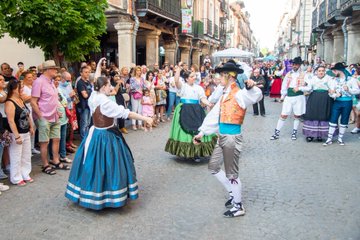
(103, 172)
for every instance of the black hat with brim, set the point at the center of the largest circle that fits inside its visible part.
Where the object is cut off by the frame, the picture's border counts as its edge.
(229, 67)
(297, 60)
(339, 66)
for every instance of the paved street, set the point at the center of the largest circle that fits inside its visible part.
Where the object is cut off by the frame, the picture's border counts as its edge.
(291, 190)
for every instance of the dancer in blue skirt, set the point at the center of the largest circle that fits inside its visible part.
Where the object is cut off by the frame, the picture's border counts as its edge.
(103, 172)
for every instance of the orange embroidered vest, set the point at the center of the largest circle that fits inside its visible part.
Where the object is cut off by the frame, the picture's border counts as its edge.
(230, 111)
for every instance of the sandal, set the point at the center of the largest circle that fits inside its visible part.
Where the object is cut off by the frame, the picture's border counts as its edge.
(65, 160)
(21, 183)
(48, 170)
(60, 166)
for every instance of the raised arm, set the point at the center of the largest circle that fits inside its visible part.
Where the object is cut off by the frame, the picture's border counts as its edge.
(178, 83)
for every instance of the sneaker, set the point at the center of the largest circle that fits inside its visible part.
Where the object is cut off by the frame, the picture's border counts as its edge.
(2, 174)
(355, 130)
(236, 211)
(293, 135)
(309, 139)
(35, 151)
(4, 187)
(229, 203)
(328, 142)
(340, 142)
(276, 135)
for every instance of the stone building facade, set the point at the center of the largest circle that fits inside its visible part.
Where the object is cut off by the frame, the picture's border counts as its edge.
(336, 30)
(294, 30)
(150, 31)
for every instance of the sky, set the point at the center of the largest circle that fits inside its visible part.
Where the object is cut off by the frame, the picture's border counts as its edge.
(264, 19)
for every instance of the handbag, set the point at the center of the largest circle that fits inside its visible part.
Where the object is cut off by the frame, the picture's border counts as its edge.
(5, 138)
(76, 98)
(126, 97)
(137, 95)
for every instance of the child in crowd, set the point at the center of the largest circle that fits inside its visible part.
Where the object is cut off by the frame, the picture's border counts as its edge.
(147, 103)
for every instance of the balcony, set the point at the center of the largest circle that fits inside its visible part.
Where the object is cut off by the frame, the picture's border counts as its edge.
(165, 11)
(314, 19)
(216, 31)
(334, 13)
(209, 27)
(198, 29)
(224, 7)
(322, 14)
(349, 6)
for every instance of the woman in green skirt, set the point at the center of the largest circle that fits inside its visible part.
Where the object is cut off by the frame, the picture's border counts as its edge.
(188, 117)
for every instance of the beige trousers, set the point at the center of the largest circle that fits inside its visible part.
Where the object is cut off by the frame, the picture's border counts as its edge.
(227, 151)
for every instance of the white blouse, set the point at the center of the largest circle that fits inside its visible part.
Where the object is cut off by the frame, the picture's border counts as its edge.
(316, 83)
(243, 97)
(194, 92)
(107, 107)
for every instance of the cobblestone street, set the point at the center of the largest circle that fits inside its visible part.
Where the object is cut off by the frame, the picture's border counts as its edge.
(291, 190)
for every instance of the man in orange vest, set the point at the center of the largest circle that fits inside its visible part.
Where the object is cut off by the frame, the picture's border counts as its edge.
(226, 119)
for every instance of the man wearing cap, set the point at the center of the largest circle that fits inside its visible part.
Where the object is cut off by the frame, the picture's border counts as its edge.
(341, 88)
(44, 103)
(294, 99)
(226, 119)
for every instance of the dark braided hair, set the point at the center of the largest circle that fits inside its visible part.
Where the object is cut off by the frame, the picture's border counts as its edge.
(100, 82)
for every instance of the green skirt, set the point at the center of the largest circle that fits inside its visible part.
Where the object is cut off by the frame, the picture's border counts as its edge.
(181, 143)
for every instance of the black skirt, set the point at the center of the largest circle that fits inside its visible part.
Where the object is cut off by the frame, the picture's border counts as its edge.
(318, 106)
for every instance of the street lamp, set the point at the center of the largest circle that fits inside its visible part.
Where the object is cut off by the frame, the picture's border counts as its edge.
(189, 3)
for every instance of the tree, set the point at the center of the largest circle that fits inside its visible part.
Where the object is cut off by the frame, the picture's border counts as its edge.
(61, 28)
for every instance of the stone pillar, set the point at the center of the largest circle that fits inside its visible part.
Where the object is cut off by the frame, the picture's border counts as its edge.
(196, 57)
(338, 50)
(319, 49)
(152, 47)
(125, 41)
(328, 48)
(185, 55)
(170, 51)
(353, 49)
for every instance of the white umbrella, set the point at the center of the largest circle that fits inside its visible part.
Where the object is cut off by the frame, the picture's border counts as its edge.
(233, 53)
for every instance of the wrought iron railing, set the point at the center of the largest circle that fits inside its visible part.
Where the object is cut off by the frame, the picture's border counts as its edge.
(322, 13)
(166, 8)
(333, 9)
(216, 31)
(314, 19)
(346, 4)
(209, 27)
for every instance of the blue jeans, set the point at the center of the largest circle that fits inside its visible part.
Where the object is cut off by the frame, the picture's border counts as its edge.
(62, 147)
(342, 108)
(85, 118)
(173, 99)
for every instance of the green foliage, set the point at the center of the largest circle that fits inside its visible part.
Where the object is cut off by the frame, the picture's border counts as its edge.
(68, 27)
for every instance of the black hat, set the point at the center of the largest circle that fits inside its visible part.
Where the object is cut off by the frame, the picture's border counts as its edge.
(339, 66)
(297, 60)
(230, 66)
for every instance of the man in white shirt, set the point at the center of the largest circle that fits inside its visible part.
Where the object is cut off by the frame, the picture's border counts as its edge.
(294, 99)
(226, 119)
